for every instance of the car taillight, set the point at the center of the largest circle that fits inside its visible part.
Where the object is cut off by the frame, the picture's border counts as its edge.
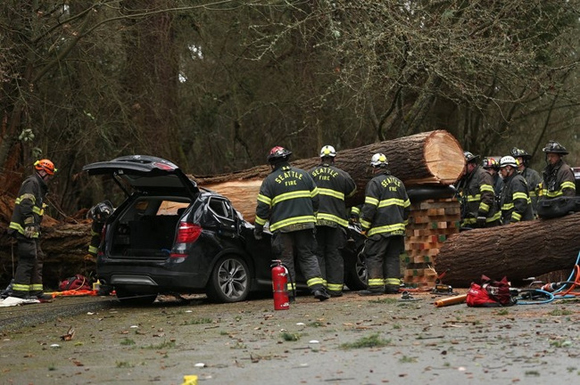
(187, 233)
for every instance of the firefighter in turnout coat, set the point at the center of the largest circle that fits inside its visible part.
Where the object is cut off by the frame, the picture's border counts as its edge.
(515, 201)
(558, 177)
(384, 216)
(334, 186)
(288, 199)
(478, 208)
(25, 227)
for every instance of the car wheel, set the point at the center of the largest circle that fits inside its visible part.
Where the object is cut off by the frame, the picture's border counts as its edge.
(356, 274)
(129, 297)
(229, 281)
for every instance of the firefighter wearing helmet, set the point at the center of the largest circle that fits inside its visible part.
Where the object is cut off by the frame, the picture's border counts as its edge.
(384, 217)
(531, 176)
(334, 187)
(558, 177)
(288, 200)
(25, 227)
(515, 201)
(477, 196)
(491, 165)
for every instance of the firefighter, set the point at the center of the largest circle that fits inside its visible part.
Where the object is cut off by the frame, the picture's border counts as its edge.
(531, 176)
(492, 166)
(384, 216)
(99, 214)
(558, 177)
(334, 186)
(288, 199)
(478, 207)
(25, 227)
(515, 201)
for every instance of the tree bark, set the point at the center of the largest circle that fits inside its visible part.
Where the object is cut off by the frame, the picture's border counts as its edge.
(429, 158)
(517, 251)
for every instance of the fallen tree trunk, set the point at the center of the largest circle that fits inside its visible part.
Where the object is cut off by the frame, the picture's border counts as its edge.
(429, 158)
(516, 251)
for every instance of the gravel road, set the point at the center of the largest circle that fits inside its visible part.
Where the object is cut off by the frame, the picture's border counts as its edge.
(347, 340)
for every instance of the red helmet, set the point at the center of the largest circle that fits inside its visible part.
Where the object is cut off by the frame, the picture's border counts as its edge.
(278, 153)
(490, 163)
(46, 165)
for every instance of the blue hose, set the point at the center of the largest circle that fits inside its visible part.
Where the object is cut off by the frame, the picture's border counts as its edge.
(550, 297)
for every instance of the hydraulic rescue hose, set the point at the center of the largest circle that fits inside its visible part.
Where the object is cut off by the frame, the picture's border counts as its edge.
(564, 289)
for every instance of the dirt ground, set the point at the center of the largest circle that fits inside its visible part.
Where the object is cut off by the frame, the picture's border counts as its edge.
(347, 340)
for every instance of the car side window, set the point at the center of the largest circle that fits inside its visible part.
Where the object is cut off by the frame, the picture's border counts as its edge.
(221, 208)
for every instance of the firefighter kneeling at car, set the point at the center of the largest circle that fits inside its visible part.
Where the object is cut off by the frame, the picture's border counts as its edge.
(99, 214)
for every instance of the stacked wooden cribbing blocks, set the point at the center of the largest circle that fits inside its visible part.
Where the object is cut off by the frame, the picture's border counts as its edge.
(431, 223)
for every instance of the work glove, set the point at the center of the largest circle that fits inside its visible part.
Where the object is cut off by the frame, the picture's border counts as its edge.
(480, 221)
(258, 233)
(30, 231)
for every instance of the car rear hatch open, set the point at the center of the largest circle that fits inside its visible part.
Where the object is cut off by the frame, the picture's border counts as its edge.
(145, 173)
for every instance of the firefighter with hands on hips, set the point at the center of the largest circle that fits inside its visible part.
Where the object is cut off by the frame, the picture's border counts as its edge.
(288, 199)
(558, 177)
(25, 226)
(477, 195)
(334, 186)
(384, 216)
(515, 201)
(531, 176)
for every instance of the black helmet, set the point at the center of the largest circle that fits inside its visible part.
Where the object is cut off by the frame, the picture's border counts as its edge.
(101, 211)
(278, 154)
(555, 148)
(519, 153)
(469, 157)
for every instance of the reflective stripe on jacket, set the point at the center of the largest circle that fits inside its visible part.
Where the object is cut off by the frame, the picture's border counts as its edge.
(516, 204)
(558, 181)
(288, 198)
(387, 206)
(334, 186)
(28, 208)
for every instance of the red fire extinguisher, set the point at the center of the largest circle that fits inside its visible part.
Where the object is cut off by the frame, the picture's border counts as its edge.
(280, 286)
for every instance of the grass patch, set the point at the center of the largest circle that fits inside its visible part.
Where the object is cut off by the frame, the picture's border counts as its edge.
(127, 341)
(560, 312)
(532, 373)
(198, 321)
(372, 341)
(407, 360)
(163, 345)
(290, 336)
(316, 324)
(124, 364)
(384, 300)
(51, 367)
(502, 312)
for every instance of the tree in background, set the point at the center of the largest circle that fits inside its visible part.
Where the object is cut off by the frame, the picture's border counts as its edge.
(213, 85)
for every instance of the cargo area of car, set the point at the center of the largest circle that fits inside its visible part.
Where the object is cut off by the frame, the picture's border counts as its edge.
(146, 229)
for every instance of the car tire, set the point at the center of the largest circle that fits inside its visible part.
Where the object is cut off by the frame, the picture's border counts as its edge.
(128, 297)
(229, 280)
(355, 276)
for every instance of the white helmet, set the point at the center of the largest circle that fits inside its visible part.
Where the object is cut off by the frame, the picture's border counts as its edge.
(508, 161)
(379, 160)
(327, 150)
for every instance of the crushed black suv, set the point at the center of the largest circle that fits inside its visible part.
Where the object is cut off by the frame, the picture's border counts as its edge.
(172, 236)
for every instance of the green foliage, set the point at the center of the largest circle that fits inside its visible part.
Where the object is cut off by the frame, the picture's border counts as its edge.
(372, 341)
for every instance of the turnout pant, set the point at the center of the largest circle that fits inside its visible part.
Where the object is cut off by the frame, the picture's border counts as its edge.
(301, 244)
(383, 262)
(330, 241)
(28, 276)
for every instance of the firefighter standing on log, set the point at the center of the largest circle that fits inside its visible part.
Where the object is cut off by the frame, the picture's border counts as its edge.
(25, 226)
(515, 201)
(477, 196)
(288, 198)
(384, 216)
(334, 186)
(558, 177)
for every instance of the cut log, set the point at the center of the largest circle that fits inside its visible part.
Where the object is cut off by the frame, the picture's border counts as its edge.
(429, 158)
(517, 251)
